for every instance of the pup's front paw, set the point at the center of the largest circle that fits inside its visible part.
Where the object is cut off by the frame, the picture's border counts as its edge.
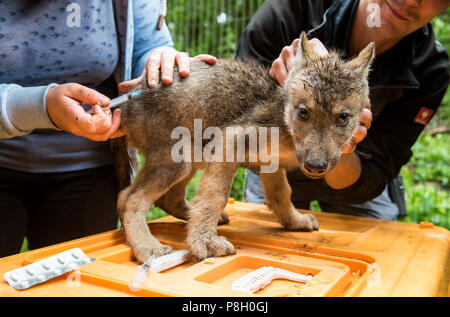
(209, 245)
(142, 254)
(301, 222)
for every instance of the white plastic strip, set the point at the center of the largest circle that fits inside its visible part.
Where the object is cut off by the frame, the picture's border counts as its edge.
(170, 260)
(43, 270)
(160, 264)
(260, 278)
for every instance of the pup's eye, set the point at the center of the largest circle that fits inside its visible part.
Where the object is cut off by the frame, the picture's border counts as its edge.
(303, 114)
(342, 120)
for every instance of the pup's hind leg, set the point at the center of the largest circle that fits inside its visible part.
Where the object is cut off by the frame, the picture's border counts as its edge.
(206, 209)
(136, 200)
(278, 198)
(174, 202)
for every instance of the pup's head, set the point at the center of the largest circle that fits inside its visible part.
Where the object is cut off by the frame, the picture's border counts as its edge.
(324, 98)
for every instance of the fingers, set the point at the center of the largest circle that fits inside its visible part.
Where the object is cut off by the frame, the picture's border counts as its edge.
(127, 86)
(182, 60)
(279, 71)
(349, 147)
(288, 56)
(167, 65)
(102, 125)
(164, 59)
(114, 129)
(365, 118)
(318, 48)
(365, 121)
(64, 106)
(358, 135)
(152, 68)
(286, 61)
(205, 58)
(86, 95)
(88, 125)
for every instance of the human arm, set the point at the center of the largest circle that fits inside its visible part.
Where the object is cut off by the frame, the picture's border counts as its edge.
(153, 50)
(24, 109)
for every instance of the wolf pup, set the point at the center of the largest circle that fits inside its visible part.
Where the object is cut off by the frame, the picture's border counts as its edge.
(315, 112)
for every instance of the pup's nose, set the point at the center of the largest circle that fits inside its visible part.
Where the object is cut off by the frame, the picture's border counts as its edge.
(315, 166)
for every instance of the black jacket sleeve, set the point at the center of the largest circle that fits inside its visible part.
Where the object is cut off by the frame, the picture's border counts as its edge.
(394, 131)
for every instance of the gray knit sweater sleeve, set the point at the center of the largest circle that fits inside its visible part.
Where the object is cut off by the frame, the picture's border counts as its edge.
(23, 109)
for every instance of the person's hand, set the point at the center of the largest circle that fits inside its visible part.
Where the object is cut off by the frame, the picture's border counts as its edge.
(64, 107)
(348, 168)
(163, 60)
(284, 63)
(365, 120)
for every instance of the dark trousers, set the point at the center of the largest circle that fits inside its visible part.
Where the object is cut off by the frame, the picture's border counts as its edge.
(381, 207)
(55, 207)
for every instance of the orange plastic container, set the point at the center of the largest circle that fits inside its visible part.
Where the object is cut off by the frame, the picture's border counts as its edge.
(348, 256)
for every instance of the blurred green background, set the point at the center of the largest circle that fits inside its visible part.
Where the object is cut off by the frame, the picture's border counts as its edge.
(214, 27)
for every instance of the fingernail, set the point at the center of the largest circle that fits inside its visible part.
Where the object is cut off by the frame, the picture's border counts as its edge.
(152, 83)
(104, 101)
(167, 78)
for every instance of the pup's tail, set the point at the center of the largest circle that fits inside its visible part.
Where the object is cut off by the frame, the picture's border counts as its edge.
(124, 161)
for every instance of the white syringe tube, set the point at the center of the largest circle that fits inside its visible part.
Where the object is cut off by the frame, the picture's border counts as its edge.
(115, 102)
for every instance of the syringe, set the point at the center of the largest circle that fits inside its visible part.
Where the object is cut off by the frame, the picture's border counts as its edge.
(115, 102)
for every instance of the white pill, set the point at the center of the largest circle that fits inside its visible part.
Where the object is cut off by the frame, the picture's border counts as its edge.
(14, 277)
(72, 266)
(30, 271)
(40, 278)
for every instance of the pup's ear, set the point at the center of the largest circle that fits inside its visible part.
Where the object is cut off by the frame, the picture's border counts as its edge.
(364, 59)
(304, 53)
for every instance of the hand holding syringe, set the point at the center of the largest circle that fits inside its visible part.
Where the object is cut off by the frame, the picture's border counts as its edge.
(116, 102)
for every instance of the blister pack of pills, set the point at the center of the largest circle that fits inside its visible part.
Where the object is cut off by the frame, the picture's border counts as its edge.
(43, 270)
(260, 278)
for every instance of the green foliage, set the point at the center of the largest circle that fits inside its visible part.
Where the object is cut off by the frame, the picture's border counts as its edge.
(426, 176)
(237, 189)
(430, 162)
(205, 26)
(426, 181)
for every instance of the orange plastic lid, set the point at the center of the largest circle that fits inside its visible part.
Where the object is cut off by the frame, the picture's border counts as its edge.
(348, 256)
